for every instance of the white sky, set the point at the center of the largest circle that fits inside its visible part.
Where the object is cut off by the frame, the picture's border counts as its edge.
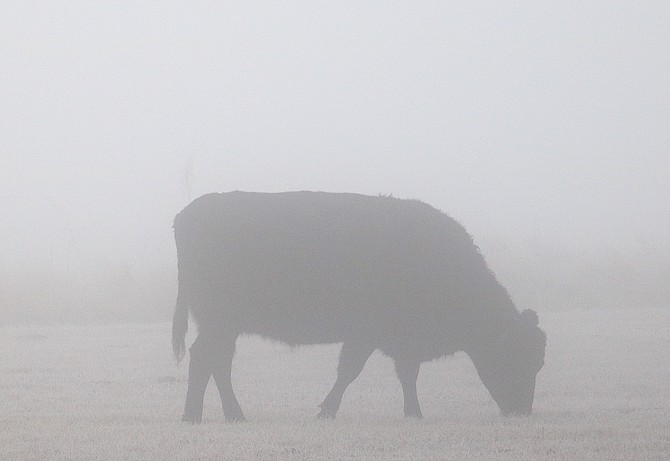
(521, 119)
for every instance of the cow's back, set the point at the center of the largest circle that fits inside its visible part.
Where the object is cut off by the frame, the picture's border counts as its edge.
(311, 267)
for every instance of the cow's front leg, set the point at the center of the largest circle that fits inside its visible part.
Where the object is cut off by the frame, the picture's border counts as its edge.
(352, 359)
(408, 371)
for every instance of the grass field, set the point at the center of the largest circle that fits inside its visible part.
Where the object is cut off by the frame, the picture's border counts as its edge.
(114, 392)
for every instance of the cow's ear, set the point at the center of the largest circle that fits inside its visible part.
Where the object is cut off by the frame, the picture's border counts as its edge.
(529, 317)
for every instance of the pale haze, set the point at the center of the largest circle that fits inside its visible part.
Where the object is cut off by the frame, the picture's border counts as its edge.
(324, 310)
(542, 127)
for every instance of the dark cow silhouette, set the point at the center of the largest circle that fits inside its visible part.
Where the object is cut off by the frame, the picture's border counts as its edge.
(369, 272)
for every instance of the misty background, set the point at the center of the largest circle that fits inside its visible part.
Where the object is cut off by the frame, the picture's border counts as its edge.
(542, 127)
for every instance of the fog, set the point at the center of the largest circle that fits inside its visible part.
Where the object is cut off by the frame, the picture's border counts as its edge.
(542, 127)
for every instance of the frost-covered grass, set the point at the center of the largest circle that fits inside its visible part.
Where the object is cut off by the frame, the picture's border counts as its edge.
(114, 392)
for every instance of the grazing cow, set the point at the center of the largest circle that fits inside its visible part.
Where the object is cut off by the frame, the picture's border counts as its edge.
(368, 272)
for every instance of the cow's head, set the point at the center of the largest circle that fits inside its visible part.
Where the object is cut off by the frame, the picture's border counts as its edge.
(509, 367)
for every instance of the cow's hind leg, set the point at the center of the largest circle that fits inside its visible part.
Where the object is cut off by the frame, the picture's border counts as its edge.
(352, 359)
(222, 370)
(408, 371)
(199, 371)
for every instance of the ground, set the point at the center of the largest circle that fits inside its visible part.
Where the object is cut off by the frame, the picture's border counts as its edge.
(114, 392)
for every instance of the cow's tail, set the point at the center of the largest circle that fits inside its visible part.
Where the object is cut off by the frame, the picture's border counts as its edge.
(179, 329)
(180, 319)
(180, 316)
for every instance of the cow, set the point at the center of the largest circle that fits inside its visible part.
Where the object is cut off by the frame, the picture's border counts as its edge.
(370, 272)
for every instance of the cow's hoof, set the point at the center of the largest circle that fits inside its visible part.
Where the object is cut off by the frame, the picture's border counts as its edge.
(191, 419)
(414, 415)
(326, 413)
